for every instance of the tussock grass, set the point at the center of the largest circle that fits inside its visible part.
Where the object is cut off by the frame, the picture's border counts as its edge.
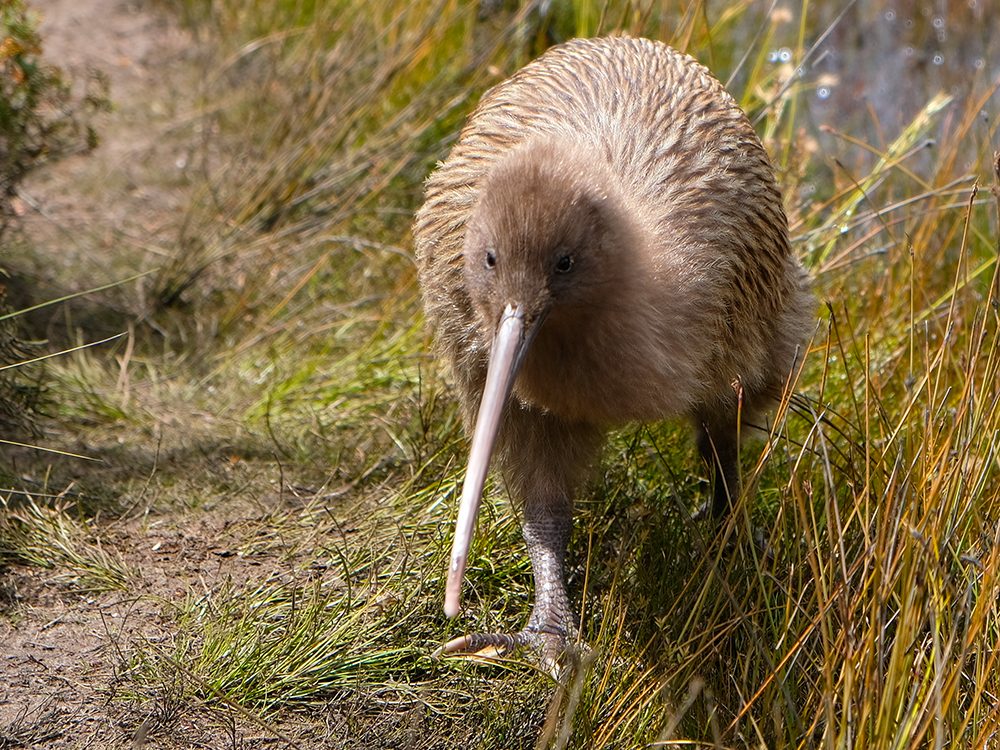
(52, 538)
(850, 601)
(275, 643)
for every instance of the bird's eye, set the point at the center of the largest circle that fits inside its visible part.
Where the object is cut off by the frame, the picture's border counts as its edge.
(491, 259)
(564, 264)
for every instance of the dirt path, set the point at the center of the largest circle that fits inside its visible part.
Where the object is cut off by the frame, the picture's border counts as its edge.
(66, 653)
(115, 212)
(86, 220)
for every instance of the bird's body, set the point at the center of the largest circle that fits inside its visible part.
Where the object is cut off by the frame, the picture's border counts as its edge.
(610, 205)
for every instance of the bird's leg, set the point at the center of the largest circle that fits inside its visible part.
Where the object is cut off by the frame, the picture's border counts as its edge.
(550, 629)
(719, 446)
(547, 527)
(543, 460)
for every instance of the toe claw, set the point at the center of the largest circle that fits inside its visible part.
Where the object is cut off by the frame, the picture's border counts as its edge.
(481, 644)
(551, 644)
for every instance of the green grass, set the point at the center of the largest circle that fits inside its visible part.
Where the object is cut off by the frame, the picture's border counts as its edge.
(849, 601)
(32, 533)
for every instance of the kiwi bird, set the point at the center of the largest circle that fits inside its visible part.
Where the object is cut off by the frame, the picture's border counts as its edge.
(604, 244)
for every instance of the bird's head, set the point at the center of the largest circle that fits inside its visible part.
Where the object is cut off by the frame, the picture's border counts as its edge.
(544, 246)
(544, 238)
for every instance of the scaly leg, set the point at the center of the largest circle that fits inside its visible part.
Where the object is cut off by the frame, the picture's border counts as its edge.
(543, 460)
(547, 527)
(717, 443)
(550, 629)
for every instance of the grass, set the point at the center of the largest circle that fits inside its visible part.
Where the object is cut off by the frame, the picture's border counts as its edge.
(36, 534)
(849, 601)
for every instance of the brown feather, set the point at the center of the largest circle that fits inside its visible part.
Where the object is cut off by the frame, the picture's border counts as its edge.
(710, 291)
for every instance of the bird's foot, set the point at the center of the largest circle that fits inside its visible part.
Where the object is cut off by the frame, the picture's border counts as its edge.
(552, 646)
(716, 509)
(703, 511)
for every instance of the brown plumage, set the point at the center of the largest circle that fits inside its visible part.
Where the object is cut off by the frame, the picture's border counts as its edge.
(607, 229)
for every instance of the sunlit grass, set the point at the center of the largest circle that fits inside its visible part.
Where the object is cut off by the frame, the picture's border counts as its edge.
(849, 601)
(32, 533)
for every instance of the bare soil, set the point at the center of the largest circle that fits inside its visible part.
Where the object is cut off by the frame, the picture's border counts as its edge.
(65, 655)
(114, 212)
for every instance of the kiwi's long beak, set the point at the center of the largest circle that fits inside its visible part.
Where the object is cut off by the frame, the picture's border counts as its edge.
(510, 343)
